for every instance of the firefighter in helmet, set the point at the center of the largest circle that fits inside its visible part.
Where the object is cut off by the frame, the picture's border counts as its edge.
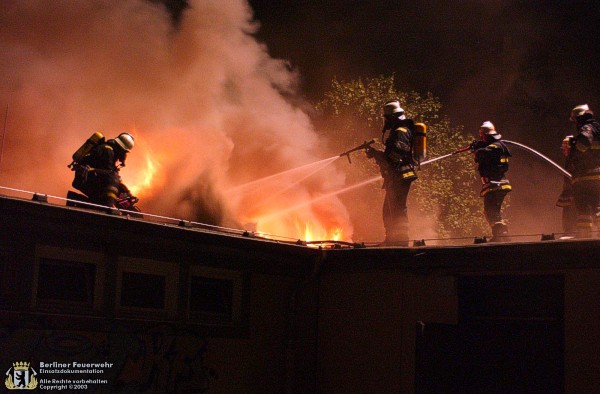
(397, 169)
(584, 154)
(491, 156)
(97, 172)
(566, 198)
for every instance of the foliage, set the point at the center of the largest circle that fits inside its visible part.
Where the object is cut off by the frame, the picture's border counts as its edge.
(445, 191)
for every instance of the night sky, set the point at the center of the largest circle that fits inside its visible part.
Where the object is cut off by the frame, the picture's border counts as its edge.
(521, 64)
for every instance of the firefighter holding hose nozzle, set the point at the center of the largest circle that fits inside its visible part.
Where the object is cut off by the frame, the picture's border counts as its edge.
(584, 156)
(491, 156)
(397, 165)
(96, 165)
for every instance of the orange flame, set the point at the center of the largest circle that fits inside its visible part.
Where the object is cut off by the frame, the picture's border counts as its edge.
(307, 233)
(145, 177)
(336, 234)
(142, 180)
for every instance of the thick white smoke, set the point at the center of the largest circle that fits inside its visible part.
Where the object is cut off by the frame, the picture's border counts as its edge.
(206, 102)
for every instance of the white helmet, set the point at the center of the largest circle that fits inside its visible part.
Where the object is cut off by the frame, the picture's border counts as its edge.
(488, 128)
(125, 141)
(580, 110)
(392, 107)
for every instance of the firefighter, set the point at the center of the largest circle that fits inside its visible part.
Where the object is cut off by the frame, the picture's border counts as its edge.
(584, 153)
(397, 169)
(491, 155)
(97, 173)
(566, 198)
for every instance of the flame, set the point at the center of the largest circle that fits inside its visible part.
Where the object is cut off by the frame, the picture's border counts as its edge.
(146, 176)
(307, 233)
(141, 175)
(263, 210)
(336, 235)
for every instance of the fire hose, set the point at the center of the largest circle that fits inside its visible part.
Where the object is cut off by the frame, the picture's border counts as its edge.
(471, 147)
(538, 154)
(528, 149)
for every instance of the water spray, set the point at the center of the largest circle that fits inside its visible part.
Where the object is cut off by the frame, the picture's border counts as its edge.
(437, 158)
(284, 190)
(538, 154)
(346, 189)
(259, 182)
(375, 179)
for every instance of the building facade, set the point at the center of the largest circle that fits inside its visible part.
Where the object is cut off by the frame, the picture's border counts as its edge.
(172, 308)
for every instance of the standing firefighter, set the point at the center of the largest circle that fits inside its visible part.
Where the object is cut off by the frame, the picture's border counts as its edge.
(584, 154)
(492, 155)
(566, 198)
(96, 165)
(397, 169)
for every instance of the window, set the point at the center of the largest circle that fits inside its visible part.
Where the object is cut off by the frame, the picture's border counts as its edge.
(60, 280)
(146, 288)
(143, 290)
(215, 295)
(67, 280)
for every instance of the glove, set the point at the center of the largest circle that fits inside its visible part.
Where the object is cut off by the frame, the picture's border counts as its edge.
(477, 144)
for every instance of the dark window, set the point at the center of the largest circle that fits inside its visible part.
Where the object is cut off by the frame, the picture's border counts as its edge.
(143, 290)
(211, 296)
(511, 296)
(66, 281)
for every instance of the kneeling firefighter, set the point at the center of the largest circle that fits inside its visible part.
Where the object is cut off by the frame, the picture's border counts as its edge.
(397, 166)
(96, 165)
(491, 155)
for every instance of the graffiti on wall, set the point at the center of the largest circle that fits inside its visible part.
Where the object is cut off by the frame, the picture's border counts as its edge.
(159, 359)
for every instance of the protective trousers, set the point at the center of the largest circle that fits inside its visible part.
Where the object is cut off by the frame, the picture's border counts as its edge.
(587, 203)
(105, 189)
(395, 217)
(492, 209)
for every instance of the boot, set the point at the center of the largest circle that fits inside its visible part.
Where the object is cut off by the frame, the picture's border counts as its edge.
(500, 232)
(397, 236)
(584, 226)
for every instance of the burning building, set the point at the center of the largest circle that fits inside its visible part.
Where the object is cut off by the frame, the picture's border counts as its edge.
(188, 308)
(192, 305)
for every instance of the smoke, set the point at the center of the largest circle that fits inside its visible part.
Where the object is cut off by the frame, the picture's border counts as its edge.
(209, 107)
(521, 64)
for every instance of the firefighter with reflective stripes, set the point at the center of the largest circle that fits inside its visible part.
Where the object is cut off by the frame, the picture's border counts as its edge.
(584, 154)
(397, 169)
(492, 156)
(97, 172)
(566, 200)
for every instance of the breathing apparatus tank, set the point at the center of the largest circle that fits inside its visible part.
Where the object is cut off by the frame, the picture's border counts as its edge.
(87, 146)
(420, 142)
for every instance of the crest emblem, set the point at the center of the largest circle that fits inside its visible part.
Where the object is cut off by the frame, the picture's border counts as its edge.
(21, 377)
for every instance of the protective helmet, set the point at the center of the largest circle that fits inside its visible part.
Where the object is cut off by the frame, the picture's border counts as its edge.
(392, 107)
(488, 128)
(125, 141)
(580, 110)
